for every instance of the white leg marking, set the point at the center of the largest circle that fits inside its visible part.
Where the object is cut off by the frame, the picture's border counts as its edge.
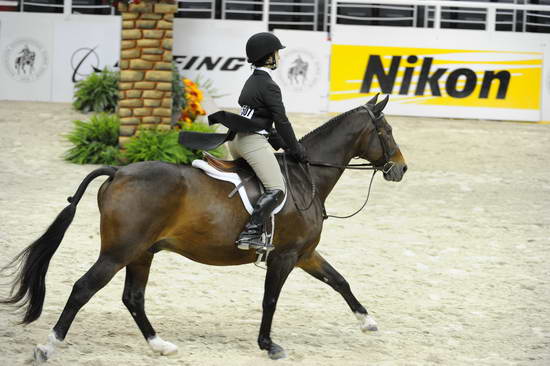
(43, 352)
(161, 346)
(366, 322)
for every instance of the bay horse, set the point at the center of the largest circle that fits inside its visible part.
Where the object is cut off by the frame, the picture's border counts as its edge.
(147, 207)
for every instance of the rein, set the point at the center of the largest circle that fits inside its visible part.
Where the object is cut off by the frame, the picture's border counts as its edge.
(360, 208)
(385, 168)
(363, 166)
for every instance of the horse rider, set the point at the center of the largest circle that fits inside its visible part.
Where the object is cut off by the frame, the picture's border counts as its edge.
(261, 102)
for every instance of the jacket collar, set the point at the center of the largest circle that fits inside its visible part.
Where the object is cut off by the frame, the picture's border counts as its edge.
(262, 70)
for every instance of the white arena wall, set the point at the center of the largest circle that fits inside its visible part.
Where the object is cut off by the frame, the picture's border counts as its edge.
(428, 72)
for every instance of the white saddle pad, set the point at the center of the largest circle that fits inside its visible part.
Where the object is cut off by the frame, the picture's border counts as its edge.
(231, 178)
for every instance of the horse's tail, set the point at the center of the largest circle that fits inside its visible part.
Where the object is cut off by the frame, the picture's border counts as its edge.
(28, 287)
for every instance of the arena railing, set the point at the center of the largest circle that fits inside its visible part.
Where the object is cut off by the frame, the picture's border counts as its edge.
(58, 6)
(355, 13)
(196, 9)
(91, 7)
(9, 5)
(316, 14)
(243, 9)
(42, 6)
(440, 14)
(300, 14)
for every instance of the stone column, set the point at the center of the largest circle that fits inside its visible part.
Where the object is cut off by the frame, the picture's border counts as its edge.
(145, 67)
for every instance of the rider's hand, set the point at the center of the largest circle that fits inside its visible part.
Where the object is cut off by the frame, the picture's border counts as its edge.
(299, 153)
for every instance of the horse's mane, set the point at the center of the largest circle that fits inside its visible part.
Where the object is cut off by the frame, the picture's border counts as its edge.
(329, 124)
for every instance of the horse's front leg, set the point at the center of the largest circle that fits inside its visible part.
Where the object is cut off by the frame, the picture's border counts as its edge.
(279, 266)
(319, 268)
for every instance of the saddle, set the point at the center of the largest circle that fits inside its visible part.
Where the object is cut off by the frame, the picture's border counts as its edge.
(246, 184)
(240, 174)
(230, 166)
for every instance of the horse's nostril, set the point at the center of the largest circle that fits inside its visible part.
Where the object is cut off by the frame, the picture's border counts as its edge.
(405, 169)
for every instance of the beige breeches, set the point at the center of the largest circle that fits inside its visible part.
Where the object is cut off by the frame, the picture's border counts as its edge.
(255, 149)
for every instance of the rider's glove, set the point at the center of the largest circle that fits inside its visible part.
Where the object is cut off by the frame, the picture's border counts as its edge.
(299, 153)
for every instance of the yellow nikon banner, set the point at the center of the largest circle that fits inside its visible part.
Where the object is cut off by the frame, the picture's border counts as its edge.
(436, 77)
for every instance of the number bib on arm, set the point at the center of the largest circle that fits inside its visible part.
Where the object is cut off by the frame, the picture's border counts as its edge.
(247, 111)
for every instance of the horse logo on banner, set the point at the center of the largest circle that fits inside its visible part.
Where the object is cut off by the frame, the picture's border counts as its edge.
(299, 70)
(25, 60)
(297, 74)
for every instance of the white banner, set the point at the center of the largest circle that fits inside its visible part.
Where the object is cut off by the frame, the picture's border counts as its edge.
(207, 49)
(26, 52)
(304, 69)
(82, 45)
(43, 55)
(428, 72)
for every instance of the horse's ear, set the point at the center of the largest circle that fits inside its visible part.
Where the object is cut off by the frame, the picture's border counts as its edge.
(380, 106)
(373, 100)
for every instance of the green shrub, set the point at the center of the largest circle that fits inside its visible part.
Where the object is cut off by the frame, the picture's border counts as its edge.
(152, 144)
(96, 141)
(163, 146)
(98, 92)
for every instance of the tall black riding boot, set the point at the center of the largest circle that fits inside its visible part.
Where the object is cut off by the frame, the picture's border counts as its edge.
(251, 237)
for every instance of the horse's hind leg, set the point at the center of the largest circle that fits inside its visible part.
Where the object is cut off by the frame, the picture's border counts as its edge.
(319, 268)
(137, 274)
(94, 280)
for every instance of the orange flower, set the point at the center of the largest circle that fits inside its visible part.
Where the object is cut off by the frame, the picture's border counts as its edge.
(199, 95)
(188, 82)
(193, 96)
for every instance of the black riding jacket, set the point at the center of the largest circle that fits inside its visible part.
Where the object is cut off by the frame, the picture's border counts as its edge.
(261, 101)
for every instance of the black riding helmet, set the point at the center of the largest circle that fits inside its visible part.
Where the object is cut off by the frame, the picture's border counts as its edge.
(261, 45)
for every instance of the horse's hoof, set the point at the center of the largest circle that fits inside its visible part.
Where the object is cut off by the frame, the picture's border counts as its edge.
(161, 346)
(41, 354)
(276, 352)
(366, 323)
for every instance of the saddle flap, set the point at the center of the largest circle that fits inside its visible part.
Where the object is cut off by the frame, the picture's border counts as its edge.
(245, 181)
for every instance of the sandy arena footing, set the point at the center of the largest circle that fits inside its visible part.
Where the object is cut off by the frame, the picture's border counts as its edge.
(453, 262)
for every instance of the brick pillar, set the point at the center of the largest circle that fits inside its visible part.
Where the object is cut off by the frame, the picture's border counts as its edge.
(145, 66)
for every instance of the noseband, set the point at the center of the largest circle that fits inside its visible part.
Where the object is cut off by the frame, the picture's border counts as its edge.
(385, 167)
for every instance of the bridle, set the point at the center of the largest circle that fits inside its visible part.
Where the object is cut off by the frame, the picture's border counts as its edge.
(388, 152)
(384, 167)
